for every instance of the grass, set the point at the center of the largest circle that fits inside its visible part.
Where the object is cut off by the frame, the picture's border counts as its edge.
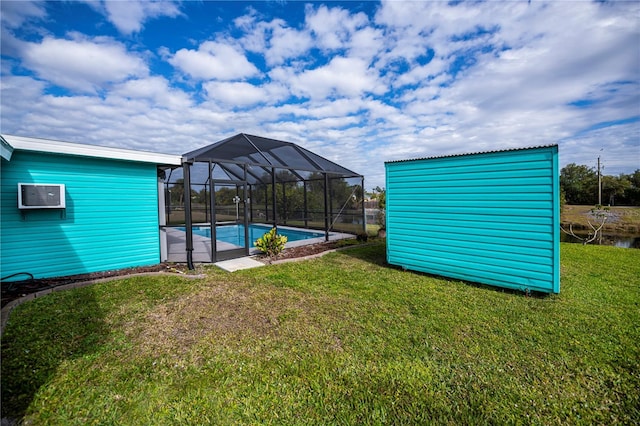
(341, 339)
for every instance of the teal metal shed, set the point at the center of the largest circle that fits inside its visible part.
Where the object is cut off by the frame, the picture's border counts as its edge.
(491, 218)
(107, 218)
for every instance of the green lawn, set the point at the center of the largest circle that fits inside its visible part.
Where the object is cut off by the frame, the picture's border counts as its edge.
(341, 339)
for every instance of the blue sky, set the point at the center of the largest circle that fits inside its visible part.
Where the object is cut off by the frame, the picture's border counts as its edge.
(360, 83)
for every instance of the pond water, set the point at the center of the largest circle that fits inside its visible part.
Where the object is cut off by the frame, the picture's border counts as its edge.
(624, 241)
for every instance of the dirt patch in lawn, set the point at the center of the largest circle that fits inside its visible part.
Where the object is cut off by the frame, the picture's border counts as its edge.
(223, 309)
(228, 315)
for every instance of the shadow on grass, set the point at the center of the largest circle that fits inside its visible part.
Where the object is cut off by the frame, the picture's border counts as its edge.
(372, 252)
(39, 337)
(376, 254)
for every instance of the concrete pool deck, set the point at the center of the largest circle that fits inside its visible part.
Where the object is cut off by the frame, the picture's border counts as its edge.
(239, 263)
(177, 248)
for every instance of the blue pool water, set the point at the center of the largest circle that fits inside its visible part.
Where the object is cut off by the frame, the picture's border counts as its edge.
(234, 234)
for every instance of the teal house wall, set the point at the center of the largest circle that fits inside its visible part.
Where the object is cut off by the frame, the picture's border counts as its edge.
(491, 218)
(110, 220)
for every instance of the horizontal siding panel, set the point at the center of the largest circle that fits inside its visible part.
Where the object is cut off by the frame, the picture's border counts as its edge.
(80, 253)
(452, 169)
(517, 283)
(495, 211)
(80, 230)
(92, 258)
(457, 216)
(515, 204)
(470, 232)
(490, 218)
(511, 241)
(91, 262)
(498, 266)
(454, 162)
(440, 177)
(493, 270)
(535, 255)
(516, 261)
(102, 243)
(471, 183)
(111, 219)
(494, 197)
(443, 189)
(471, 222)
(507, 275)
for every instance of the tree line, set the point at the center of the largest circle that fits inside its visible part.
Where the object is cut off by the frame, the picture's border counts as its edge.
(579, 185)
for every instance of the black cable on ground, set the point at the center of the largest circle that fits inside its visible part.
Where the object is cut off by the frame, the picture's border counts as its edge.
(16, 274)
(11, 284)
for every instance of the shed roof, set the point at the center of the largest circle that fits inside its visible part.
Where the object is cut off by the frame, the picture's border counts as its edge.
(68, 148)
(470, 153)
(265, 153)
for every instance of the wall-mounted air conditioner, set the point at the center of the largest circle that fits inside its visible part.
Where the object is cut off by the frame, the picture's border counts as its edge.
(41, 196)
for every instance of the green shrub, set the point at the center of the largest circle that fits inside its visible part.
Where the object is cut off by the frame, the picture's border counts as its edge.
(271, 243)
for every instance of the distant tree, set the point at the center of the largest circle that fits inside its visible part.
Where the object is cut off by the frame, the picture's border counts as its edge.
(359, 196)
(580, 184)
(380, 194)
(176, 192)
(315, 195)
(290, 203)
(382, 200)
(223, 196)
(631, 196)
(614, 188)
(289, 193)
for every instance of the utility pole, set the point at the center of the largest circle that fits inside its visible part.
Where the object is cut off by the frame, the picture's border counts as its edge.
(599, 184)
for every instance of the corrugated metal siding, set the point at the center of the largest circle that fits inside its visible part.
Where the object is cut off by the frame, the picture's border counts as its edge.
(491, 218)
(111, 219)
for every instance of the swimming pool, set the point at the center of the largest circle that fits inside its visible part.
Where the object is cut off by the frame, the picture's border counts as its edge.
(234, 234)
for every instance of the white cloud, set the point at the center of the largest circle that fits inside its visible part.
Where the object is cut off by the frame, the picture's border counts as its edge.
(349, 77)
(286, 43)
(241, 94)
(332, 108)
(422, 74)
(14, 14)
(155, 89)
(129, 16)
(366, 43)
(214, 60)
(618, 146)
(333, 27)
(275, 40)
(82, 64)
(18, 94)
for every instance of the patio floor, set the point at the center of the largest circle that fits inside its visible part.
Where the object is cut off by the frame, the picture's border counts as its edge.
(233, 265)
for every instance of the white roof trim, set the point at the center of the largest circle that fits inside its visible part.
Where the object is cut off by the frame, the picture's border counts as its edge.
(5, 149)
(58, 147)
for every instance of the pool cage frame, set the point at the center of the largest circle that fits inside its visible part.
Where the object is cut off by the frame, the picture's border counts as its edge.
(253, 164)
